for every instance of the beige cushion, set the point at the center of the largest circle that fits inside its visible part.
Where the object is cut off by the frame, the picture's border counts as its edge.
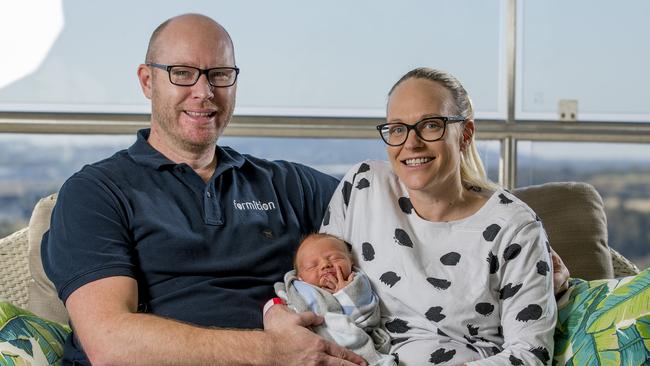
(43, 300)
(574, 218)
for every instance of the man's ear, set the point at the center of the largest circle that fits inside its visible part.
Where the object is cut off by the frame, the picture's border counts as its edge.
(146, 79)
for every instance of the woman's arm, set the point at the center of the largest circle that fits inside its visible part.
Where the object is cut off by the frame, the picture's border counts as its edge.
(528, 307)
(560, 275)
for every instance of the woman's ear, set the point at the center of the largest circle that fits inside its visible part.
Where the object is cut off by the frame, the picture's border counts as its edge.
(467, 134)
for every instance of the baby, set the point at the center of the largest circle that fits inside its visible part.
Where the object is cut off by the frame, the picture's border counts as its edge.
(325, 282)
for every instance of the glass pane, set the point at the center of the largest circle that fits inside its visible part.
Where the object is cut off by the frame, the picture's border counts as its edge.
(332, 156)
(335, 58)
(620, 173)
(34, 166)
(336, 156)
(587, 50)
(490, 152)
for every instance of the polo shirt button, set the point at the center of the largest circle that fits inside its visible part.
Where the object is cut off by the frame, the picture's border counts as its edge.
(208, 194)
(268, 233)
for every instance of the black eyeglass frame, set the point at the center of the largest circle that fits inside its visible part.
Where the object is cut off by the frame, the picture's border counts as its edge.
(414, 127)
(205, 72)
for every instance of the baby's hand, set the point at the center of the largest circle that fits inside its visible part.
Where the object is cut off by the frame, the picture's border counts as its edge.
(333, 283)
(341, 281)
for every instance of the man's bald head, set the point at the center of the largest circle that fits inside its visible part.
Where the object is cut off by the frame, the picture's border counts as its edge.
(187, 118)
(198, 20)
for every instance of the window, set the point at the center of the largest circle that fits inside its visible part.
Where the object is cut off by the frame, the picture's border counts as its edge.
(334, 58)
(316, 63)
(33, 166)
(592, 51)
(336, 156)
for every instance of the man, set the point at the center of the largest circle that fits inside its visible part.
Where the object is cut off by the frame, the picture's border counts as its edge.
(158, 249)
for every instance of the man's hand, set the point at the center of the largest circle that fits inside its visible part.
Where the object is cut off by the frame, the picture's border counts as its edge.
(335, 283)
(560, 275)
(294, 344)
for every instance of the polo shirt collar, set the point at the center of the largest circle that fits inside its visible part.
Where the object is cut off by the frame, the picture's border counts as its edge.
(228, 158)
(144, 154)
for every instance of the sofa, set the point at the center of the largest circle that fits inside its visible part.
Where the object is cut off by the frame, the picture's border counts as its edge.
(572, 213)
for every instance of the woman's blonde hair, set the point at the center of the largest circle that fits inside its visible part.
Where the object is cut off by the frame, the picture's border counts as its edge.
(472, 172)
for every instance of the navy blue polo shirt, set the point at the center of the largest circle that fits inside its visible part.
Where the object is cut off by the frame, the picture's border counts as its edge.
(203, 253)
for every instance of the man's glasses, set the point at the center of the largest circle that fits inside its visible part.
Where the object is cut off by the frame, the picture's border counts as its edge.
(428, 129)
(181, 75)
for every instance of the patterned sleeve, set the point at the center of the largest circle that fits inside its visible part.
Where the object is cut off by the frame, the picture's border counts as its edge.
(528, 308)
(317, 188)
(334, 219)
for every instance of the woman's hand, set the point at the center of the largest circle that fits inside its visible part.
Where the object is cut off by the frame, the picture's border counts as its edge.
(560, 275)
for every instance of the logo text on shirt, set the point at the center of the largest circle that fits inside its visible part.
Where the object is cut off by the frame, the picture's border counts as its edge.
(254, 205)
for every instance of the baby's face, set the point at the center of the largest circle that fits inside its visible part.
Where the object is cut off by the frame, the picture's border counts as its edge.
(318, 258)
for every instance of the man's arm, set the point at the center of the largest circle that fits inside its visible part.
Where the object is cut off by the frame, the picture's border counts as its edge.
(103, 314)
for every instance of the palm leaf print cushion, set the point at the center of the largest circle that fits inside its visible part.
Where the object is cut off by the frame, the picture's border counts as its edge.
(604, 322)
(26, 339)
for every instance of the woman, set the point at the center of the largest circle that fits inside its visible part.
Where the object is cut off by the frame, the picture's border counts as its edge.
(462, 267)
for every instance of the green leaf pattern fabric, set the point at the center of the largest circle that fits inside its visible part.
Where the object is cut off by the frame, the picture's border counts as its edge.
(604, 322)
(26, 339)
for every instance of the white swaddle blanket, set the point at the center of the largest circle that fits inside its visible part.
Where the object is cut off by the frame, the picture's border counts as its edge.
(352, 317)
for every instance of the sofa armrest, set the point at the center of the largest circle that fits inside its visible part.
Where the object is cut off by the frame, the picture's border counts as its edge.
(14, 269)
